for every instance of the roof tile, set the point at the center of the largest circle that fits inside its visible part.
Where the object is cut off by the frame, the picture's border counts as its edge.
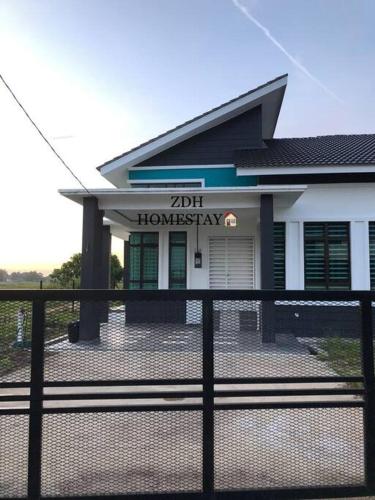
(308, 151)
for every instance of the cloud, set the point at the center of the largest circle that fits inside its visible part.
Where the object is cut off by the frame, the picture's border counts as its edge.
(293, 60)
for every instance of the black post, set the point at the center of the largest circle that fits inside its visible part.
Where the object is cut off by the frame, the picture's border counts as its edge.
(367, 350)
(208, 398)
(105, 268)
(266, 265)
(126, 276)
(36, 400)
(89, 327)
(126, 264)
(41, 284)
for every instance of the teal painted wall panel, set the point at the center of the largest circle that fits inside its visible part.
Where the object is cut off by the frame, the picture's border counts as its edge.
(214, 177)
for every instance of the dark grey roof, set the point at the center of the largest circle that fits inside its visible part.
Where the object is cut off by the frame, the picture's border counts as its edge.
(308, 151)
(193, 119)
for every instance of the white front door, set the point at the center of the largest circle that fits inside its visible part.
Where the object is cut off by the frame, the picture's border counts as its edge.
(232, 262)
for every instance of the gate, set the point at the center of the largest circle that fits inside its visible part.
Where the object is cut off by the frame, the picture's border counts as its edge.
(258, 394)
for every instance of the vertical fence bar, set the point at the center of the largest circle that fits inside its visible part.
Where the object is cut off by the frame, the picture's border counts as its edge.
(208, 398)
(36, 400)
(367, 351)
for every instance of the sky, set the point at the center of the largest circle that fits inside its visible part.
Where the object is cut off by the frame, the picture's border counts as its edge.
(101, 76)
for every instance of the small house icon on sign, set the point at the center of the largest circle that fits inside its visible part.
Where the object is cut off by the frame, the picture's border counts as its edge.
(230, 219)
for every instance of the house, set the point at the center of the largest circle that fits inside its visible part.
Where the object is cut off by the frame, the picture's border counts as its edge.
(230, 219)
(218, 202)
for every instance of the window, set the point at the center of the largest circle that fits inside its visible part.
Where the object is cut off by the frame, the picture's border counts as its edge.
(327, 257)
(144, 260)
(279, 255)
(372, 254)
(166, 184)
(177, 260)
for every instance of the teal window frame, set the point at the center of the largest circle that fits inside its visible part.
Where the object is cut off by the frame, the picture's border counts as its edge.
(177, 240)
(322, 240)
(139, 247)
(166, 185)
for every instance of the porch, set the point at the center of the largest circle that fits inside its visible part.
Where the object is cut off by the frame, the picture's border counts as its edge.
(177, 239)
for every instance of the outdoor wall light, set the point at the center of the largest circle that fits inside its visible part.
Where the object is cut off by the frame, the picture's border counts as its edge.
(198, 260)
(197, 253)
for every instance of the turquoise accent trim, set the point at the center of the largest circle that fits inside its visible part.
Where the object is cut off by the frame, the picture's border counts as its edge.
(214, 177)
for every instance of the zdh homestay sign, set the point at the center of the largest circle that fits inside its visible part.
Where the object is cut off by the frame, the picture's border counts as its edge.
(182, 219)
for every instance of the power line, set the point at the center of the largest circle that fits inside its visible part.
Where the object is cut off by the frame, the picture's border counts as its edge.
(43, 136)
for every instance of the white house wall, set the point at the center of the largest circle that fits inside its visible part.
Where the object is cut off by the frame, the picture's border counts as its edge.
(360, 250)
(354, 203)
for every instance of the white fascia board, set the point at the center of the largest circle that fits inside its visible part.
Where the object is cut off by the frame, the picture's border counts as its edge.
(329, 169)
(264, 189)
(77, 195)
(198, 125)
(178, 167)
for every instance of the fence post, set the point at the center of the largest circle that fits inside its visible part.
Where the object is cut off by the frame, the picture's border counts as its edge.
(208, 398)
(367, 352)
(36, 400)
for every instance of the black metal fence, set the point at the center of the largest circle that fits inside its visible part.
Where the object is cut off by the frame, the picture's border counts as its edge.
(219, 400)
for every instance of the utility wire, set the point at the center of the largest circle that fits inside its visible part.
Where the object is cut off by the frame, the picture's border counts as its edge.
(43, 136)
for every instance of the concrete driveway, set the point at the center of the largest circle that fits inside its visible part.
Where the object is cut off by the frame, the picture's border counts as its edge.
(136, 452)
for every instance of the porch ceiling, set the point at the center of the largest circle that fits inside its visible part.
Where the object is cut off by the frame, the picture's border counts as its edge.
(122, 205)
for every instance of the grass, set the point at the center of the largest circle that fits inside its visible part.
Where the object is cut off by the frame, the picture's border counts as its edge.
(22, 284)
(343, 355)
(33, 285)
(58, 316)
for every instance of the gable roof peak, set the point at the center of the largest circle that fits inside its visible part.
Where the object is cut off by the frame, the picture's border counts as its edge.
(269, 95)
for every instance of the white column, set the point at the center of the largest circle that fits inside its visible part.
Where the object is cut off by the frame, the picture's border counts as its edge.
(359, 255)
(163, 259)
(294, 264)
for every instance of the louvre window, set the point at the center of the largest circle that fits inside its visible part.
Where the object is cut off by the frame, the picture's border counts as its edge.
(327, 256)
(372, 254)
(279, 255)
(177, 260)
(144, 257)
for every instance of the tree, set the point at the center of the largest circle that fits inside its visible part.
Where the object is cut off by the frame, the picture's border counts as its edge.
(117, 271)
(3, 275)
(26, 276)
(71, 270)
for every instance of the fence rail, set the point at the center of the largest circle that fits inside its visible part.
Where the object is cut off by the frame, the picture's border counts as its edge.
(222, 409)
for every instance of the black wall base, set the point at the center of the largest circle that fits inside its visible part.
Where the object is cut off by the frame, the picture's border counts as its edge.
(156, 312)
(318, 321)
